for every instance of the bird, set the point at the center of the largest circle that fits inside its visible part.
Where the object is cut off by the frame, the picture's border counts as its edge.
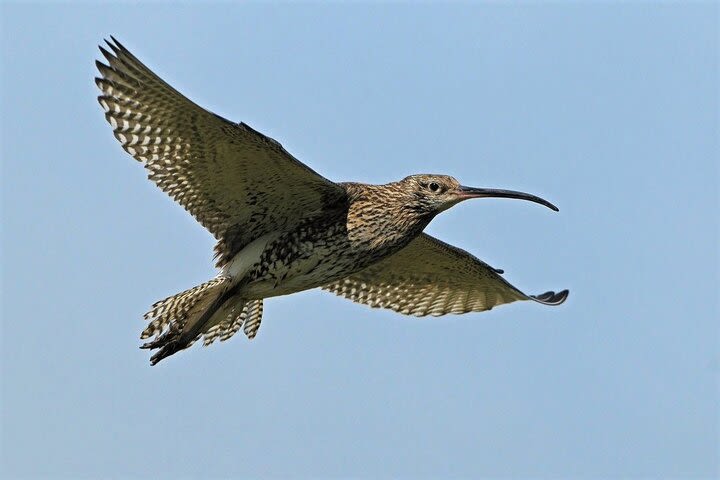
(282, 228)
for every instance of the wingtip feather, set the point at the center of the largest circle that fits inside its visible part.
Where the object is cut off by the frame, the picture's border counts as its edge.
(552, 298)
(105, 53)
(102, 68)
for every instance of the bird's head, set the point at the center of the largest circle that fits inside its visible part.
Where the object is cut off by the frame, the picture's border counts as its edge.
(434, 193)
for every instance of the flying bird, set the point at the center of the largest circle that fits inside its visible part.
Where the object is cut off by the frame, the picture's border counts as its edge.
(281, 227)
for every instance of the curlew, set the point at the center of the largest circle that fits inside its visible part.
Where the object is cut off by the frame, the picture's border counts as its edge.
(282, 228)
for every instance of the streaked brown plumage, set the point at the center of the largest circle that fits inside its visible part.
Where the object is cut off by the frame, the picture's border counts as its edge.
(282, 228)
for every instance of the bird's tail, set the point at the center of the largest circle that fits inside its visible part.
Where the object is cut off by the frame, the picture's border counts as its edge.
(176, 308)
(177, 321)
(212, 310)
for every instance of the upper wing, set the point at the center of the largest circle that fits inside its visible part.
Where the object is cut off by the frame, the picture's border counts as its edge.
(430, 277)
(238, 183)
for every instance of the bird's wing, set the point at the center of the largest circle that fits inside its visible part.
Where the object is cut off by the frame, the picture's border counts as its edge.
(238, 183)
(430, 277)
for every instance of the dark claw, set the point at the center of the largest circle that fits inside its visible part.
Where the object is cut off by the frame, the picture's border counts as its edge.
(166, 351)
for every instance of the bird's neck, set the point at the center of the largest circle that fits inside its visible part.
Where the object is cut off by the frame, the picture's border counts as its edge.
(382, 217)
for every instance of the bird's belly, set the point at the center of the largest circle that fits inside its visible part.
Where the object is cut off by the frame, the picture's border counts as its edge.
(247, 259)
(320, 267)
(307, 257)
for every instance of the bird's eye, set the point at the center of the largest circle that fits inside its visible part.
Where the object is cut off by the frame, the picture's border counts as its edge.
(434, 187)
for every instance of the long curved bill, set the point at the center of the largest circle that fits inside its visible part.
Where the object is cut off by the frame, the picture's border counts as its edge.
(467, 193)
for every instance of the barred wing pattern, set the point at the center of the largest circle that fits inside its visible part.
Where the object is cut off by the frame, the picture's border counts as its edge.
(430, 277)
(238, 183)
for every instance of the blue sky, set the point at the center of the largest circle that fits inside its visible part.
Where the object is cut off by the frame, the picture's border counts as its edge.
(610, 111)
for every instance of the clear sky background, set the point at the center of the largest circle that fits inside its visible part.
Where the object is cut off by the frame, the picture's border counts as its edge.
(608, 110)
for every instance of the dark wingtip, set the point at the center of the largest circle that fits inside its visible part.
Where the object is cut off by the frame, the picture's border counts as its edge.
(105, 53)
(551, 298)
(119, 47)
(115, 46)
(102, 68)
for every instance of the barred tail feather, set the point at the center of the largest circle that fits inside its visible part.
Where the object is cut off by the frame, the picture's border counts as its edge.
(175, 320)
(254, 316)
(246, 315)
(176, 307)
(230, 320)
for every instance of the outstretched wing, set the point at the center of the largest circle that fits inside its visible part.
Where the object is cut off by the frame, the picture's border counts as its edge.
(430, 277)
(238, 183)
